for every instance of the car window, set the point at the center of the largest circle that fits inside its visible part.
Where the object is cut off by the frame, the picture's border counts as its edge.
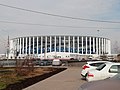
(96, 64)
(101, 67)
(114, 69)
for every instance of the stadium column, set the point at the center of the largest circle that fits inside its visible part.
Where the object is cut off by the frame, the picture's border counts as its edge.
(37, 45)
(78, 44)
(99, 46)
(102, 46)
(86, 45)
(96, 45)
(64, 43)
(73, 44)
(59, 43)
(55, 44)
(82, 44)
(33, 45)
(23, 46)
(106, 46)
(29, 45)
(20, 46)
(50, 43)
(45, 47)
(69, 44)
(93, 45)
(26, 46)
(90, 45)
(41, 44)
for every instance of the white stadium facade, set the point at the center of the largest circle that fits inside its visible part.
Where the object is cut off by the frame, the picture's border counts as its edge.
(60, 46)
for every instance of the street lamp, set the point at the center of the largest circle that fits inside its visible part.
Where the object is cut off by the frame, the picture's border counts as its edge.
(98, 32)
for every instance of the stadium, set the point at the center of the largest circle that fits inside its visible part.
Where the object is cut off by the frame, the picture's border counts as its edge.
(58, 46)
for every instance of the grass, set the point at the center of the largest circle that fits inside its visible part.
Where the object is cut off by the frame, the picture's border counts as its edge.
(2, 85)
(9, 76)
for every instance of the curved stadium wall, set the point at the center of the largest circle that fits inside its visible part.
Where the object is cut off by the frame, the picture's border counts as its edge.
(37, 45)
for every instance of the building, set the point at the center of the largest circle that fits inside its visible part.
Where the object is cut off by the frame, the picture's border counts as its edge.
(60, 46)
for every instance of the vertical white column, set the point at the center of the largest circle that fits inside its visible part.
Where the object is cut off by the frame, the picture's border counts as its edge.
(55, 43)
(96, 45)
(23, 47)
(29, 45)
(82, 44)
(20, 46)
(99, 46)
(33, 44)
(73, 44)
(64, 43)
(90, 45)
(69, 44)
(37, 45)
(78, 44)
(41, 44)
(102, 46)
(26, 46)
(46, 43)
(59, 43)
(45, 47)
(93, 45)
(50, 43)
(86, 45)
(106, 46)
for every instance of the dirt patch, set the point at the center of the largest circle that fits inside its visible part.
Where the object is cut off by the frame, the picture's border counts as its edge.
(34, 79)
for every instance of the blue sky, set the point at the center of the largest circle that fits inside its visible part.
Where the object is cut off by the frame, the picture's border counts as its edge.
(91, 9)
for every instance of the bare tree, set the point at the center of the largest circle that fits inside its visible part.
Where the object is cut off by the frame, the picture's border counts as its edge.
(116, 47)
(118, 57)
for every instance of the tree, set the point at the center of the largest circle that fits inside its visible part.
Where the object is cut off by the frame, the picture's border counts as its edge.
(118, 57)
(116, 47)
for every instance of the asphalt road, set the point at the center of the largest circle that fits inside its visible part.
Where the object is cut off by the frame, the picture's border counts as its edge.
(69, 79)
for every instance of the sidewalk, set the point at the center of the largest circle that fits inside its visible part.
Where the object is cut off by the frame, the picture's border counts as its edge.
(69, 79)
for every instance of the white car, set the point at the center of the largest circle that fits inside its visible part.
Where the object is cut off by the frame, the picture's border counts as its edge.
(90, 65)
(56, 62)
(104, 71)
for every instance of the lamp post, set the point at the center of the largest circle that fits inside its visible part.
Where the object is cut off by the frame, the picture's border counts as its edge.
(8, 50)
(98, 32)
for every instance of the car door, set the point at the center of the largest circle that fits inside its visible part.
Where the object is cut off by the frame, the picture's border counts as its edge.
(114, 69)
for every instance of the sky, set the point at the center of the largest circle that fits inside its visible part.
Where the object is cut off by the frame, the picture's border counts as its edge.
(104, 10)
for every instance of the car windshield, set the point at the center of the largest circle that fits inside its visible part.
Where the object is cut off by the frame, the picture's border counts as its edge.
(101, 67)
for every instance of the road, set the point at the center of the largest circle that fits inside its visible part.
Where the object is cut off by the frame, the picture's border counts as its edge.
(69, 79)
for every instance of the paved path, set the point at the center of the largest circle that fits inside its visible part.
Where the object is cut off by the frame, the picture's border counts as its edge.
(69, 79)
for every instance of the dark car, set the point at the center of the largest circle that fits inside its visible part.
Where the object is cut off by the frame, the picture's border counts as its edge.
(107, 84)
(45, 62)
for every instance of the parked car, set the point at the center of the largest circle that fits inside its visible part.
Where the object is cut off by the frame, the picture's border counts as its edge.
(104, 71)
(45, 62)
(90, 65)
(56, 62)
(107, 84)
